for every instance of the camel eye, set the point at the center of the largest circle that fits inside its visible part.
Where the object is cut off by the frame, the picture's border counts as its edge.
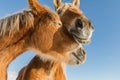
(59, 11)
(79, 24)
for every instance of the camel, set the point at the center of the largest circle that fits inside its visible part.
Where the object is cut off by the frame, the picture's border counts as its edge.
(27, 30)
(40, 69)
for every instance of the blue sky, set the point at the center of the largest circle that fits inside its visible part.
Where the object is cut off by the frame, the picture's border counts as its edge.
(103, 53)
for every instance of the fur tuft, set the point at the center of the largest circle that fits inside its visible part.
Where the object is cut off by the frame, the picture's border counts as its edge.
(11, 24)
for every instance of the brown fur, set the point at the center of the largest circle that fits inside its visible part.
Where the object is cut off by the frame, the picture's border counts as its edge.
(45, 36)
(49, 70)
(38, 69)
(17, 33)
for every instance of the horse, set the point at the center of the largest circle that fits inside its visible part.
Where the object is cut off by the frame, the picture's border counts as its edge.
(39, 69)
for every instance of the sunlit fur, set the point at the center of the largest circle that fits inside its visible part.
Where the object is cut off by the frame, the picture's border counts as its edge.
(18, 33)
(11, 24)
(74, 20)
(38, 69)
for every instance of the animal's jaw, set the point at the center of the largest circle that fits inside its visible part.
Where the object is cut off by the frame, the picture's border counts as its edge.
(77, 57)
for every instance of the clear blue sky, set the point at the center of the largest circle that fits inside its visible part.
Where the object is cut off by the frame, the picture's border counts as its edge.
(103, 53)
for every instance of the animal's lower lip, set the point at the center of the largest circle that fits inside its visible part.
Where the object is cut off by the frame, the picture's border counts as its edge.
(81, 40)
(85, 41)
(80, 62)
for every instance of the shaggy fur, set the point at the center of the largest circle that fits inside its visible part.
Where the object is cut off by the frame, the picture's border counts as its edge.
(47, 37)
(12, 28)
(38, 69)
(11, 24)
(16, 33)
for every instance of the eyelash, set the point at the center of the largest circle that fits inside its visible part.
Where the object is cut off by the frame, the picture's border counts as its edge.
(59, 11)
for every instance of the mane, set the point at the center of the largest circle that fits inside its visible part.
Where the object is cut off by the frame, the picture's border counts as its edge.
(13, 23)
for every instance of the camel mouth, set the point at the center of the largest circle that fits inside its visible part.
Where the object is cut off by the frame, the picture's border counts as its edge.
(80, 59)
(80, 39)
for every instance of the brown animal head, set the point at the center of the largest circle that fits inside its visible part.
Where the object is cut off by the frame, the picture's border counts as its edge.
(77, 24)
(74, 23)
(44, 15)
(61, 43)
(51, 41)
(40, 29)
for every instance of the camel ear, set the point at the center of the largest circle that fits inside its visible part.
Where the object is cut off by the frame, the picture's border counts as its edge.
(57, 3)
(35, 6)
(76, 3)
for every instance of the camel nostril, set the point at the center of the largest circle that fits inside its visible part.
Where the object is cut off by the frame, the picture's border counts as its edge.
(92, 28)
(83, 52)
(57, 23)
(60, 24)
(79, 24)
